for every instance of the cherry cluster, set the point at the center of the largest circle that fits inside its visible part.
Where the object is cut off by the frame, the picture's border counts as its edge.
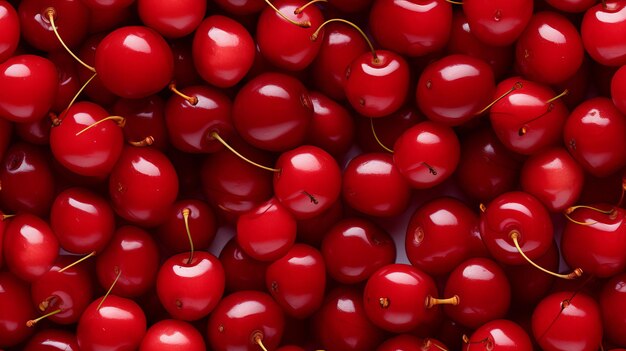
(341, 175)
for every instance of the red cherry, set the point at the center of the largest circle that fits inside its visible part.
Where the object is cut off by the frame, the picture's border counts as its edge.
(571, 5)
(10, 36)
(498, 23)
(612, 302)
(500, 334)
(600, 30)
(37, 132)
(95, 90)
(189, 287)
(15, 310)
(332, 126)
(239, 7)
(402, 342)
(134, 62)
(427, 154)
(312, 230)
(143, 186)
(594, 134)
(172, 20)
(172, 335)
(52, 340)
(243, 319)
(108, 4)
(68, 82)
(618, 86)
(144, 118)
(377, 86)
(28, 86)
(242, 271)
(412, 28)
(114, 323)
(106, 19)
(185, 73)
(388, 129)
(172, 233)
(567, 321)
(223, 51)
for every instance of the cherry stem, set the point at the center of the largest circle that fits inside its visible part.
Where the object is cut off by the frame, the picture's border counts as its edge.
(193, 100)
(517, 85)
(258, 339)
(305, 24)
(367, 40)
(565, 92)
(524, 129)
(575, 274)
(569, 211)
(147, 141)
(119, 273)
(301, 8)
(186, 213)
(91, 254)
(433, 301)
(121, 121)
(455, 2)
(376, 137)
(32, 322)
(57, 121)
(482, 207)
(431, 169)
(621, 197)
(217, 137)
(43, 305)
(487, 342)
(52, 13)
(6, 216)
(384, 302)
(428, 344)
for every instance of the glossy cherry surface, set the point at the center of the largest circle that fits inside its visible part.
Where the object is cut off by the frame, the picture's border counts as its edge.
(498, 23)
(571, 5)
(52, 340)
(172, 20)
(144, 118)
(10, 36)
(388, 129)
(172, 335)
(332, 126)
(599, 29)
(16, 309)
(241, 271)
(612, 302)
(172, 234)
(500, 334)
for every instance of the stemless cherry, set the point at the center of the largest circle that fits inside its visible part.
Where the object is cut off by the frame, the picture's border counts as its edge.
(10, 36)
(172, 335)
(52, 340)
(108, 4)
(618, 89)
(612, 302)
(332, 126)
(500, 334)
(571, 5)
(172, 19)
(600, 31)
(195, 214)
(144, 118)
(242, 272)
(500, 22)
(15, 310)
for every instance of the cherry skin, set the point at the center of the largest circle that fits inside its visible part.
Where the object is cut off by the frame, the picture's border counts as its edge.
(108, 4)
(296, 49)
(266, 232)
(10, 36)
(134, 62)
(549, 37)
(417, 28)
(554, 178)
(312, 230)
(332, 126)
(427, 154)
(172, 233)
(388, 129)
(567, 320)
(500, 334)
(372, 184)
(52, 340)
(171, 20)
(28, 86)
(89, 152)
(355, 248)
(95, 90)
(30, 247)
(116, 323)
(242, 317)
(144, 118)
(402, 342)
(172, 335)
(190, 287)
(571, 5)
(128, 246)
(309, 181)
(596, 245)
(600, 30)
(612, 302)
(377, 85)
(143, 185)
(454, 89)
(242, 272)
(618, 84)
(593, 135)
(223, 51)
(15, 310)
(245, 7)
(68, 82)
(498, 23)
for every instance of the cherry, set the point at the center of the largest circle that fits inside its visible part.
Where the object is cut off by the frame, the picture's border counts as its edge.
(439, 235)
(309, 181)
(244, 320)
(134, 62)
(194, 214)
(143, 185)
(37, 133)
(387, 129)
(171, 20)
(52, 340)
(566, 320)
(95, 89)
(111, 323)
(455, 89)
(185, 73)
(239, 7)
(193, 115)
(272, 112)
(295, 23)
(312, 230)
(341, 323)
(612, 302)
(401, 342)
(242, 272)
(144, 120)
(554, 178)
(87, 141)
(500, 334)
(106, 19)
(15, 310)
(68, 83)
(28, 86)
(332, 126)
(412, 28)
(30, 247)
(10, 36)
(377, 83)
(618, 84)
(26, 164)
(498, 23)
(571, 5)
(595, 241)
(189, 286)
(355, 248)
(223, 51)
(593, 135)
(483, 290)
(372, 184)
(172, 335)
(427, 154)
(266, 232)
(130, 260)
(549, 37)
(600, 30)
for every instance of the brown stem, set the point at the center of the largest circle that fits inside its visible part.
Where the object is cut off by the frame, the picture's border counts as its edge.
(193, 100)
(51, 14)
(369, 43)
(217, 137)
(32, 322)
(91, 254)
(301, 8)
(517, 85)
(380, 143)
(147, 141)
(121, 121)
(119, 273)
(186, 213)
(575, 274)
(432, 301)
(305, 24)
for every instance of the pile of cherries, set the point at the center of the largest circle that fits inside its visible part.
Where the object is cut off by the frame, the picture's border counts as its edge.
(341, 175)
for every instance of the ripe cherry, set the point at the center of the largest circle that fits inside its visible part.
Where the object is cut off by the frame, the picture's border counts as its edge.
(95, 90)
(571, 5)
(52, 340)
(245, 7)
(618, 86)
(242, 272)
(401, 342)
(500, 334)
(332, 126)
(312, 230)
(498, 23)
(144, 119)
(600, 30)
(15, 310)
(612, 302)
(10, 36)
(193, 214)
(387, 129)
(68, 82)
(172, 20)
(172, 335)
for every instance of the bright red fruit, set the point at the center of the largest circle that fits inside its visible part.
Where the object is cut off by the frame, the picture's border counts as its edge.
(15, 310)
(172, 335)
(10, 36)
(172, 19)
(499, 22)
(601, 28)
